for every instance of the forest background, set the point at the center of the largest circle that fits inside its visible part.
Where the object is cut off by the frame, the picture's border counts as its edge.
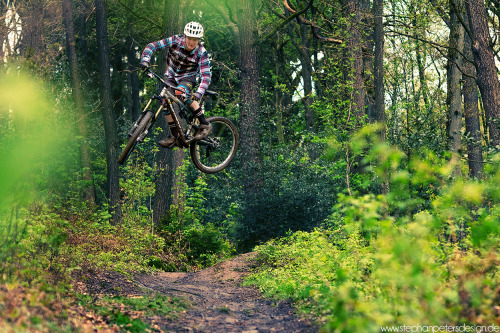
(366, 179)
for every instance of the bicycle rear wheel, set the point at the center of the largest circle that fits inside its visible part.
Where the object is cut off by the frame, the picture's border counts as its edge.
(143, 125)
(215, 152)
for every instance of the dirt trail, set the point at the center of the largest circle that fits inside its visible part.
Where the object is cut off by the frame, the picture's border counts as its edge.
(221, 304)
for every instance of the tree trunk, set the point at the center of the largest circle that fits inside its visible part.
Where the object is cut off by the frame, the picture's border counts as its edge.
(423, 91)
(76, 84)
(32, 17)
(107, 113)
(81, 29)
(278, 107)
(164, 176)
(133, 64)
(487, 77)
(302, 48)
(167, 160)
(3, 31)
(179, 155)
(249, 105)
(133, 67)
(455, 112)
(354, 56)
(368, 40)
(471, 113)
(378, 72)
(117, 81)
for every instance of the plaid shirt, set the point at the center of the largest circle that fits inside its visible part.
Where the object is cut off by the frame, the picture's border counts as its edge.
(182, 64)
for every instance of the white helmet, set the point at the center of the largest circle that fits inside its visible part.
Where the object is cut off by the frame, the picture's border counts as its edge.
(193, 29)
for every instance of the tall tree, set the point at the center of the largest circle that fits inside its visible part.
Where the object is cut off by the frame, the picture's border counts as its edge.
(241, 19)
(168, 160)
(471, 113)
(133, 64)
(78, 99)
(302, 45)
(378, 66)
(32, 16)
(487, 77)
(107, 112)
(455, 111)
(3, 30)
(354, 56)
(248, 61)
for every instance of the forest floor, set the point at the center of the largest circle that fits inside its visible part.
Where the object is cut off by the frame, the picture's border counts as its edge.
(217, 300)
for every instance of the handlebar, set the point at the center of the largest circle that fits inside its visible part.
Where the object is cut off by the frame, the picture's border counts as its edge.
(152, 75)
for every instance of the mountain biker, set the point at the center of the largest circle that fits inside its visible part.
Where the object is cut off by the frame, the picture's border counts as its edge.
(187, 58)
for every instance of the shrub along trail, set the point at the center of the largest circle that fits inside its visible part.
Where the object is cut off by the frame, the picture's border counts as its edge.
(219, 302)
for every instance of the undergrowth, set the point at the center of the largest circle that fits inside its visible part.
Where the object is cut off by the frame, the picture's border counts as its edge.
(424, 253)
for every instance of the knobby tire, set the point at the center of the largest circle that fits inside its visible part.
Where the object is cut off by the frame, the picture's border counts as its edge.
(229, 145)
(133, 139)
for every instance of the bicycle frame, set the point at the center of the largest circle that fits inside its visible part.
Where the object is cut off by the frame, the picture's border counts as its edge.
(167, 99)
(210, 155)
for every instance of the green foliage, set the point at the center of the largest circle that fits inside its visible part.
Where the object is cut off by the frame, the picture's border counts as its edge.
(38, 308)
(30, 137)
(128, 314)
(190, 245)
(138, 190)
(296, 193)
(394, 259)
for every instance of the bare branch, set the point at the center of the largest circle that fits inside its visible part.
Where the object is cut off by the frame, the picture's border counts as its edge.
(325, 39)
(437, 47)
(287, 6)
(314, 26)
(138, 16)
(288, 19)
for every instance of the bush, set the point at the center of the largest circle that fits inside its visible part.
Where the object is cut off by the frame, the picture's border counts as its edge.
(190, 245)
(295, 193)
(392, 260)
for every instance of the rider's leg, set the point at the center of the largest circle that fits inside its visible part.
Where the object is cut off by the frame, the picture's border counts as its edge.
(170, 140)
(197, 112)
(205, 127)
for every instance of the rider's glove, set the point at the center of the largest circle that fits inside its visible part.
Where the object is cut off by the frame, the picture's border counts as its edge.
(144, 66)
(181, 95)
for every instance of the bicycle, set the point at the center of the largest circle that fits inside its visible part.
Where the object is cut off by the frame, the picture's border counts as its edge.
(209, 155)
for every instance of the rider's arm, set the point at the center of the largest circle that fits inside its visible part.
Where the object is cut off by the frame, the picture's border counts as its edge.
(148, 51)
(206, 76)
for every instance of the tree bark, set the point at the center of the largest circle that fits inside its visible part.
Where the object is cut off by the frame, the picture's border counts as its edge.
(164, 177)
(81, 29)
(455, 112)
(117, 80)
(133, 64)
(471, 113)
(249, 108)
(133, 67)
(31, 43)
(305, 62)
(107, 113)
(178, 155)
(423, 91)
(167, 160)
(354, 56)
(3, 31)
(378, 72)
(76, 84)
(368, 41)
(487, 77)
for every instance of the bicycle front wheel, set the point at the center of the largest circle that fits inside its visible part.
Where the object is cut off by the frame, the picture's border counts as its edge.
(143, 125)
(214, 153)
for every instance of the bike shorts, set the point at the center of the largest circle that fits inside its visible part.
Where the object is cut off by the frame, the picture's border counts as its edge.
(188, 86)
